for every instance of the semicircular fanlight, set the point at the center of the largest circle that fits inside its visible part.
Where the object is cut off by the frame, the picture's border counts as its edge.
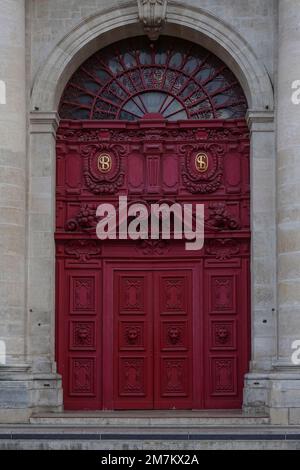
(169, 78)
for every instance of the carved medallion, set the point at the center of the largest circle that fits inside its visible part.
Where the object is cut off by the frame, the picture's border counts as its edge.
(104, 162)
(103, 172)
(201, 162)
(202, 170)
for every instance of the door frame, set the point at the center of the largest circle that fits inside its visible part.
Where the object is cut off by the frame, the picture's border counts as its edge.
(109, 268)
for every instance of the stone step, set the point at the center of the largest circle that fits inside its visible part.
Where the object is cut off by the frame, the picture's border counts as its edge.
(46, 437)
(160, 419)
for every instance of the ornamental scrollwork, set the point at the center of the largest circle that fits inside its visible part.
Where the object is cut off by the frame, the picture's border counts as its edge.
(106, 182)
(83, 250)
(208, 181)
(222, 249)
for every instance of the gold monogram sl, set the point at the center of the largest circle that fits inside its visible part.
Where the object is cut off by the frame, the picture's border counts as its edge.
(104, 162)
(201, 162)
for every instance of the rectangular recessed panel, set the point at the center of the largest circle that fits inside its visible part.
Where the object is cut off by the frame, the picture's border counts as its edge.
(82, 376)
(82, 294)
(132, 294)
(132, 335)
(223, 294)
(223, 376)
(175, 377)
(82, 335)
(132, 376)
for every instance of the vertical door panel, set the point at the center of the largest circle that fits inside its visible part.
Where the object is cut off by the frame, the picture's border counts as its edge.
(173, 363)
(226, 326)
(133, 343)
(79, 335)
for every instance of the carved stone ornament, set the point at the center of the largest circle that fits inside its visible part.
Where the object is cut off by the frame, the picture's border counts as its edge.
(152, 14)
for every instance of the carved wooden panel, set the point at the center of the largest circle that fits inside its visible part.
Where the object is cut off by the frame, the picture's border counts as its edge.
(82, 376)
(223, 294)
(162, 320)
(173, 291)
(82, 335)
(173, 339)
(82, 294)
(132, 374)
(223, 376)
(226, 340)
(223, 334)
(132, 292)
(174, 335)
(131, 335)
(175, 379)
(136, 173)
(133, 340)
(79, 325)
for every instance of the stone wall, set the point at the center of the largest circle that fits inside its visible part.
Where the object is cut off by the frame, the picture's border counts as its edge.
(60, 34)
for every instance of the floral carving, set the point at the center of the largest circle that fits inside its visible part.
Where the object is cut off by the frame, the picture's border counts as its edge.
(83, 250)
(223, 249)
(228, 134)
(220, 218)
(124, 135)
(85, 219)
(80, 135)
(153, 247)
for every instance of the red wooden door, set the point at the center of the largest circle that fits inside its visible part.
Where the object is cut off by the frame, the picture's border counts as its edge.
(183, 342)
(152, 362)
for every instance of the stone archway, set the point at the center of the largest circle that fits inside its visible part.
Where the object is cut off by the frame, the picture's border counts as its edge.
(98, 31)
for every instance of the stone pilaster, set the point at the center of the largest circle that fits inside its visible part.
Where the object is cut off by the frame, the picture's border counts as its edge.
(14, 392)
(284, 400)
(46, 385)
(263, 259)
(12, 179)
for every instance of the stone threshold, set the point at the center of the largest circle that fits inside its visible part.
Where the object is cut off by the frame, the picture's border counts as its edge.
(165, 419)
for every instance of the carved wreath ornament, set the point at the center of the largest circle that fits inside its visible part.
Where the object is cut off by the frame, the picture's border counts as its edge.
(208, 180)
(102, 169)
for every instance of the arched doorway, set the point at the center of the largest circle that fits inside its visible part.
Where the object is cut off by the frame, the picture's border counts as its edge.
(153, 109)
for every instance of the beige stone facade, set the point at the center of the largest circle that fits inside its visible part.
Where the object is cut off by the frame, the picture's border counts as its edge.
(41, 44)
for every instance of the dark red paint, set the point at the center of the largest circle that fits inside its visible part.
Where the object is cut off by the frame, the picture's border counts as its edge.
(147, 324)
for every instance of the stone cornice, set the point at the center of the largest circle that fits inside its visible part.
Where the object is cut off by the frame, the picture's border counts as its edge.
(14, 372)
(260, 120)
(44, 122)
